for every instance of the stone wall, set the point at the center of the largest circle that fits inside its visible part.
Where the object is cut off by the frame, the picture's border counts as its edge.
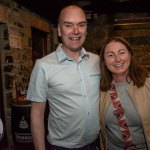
(135, 27)
(16, 53)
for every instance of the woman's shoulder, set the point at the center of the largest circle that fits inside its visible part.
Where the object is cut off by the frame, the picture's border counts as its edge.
(147, 82)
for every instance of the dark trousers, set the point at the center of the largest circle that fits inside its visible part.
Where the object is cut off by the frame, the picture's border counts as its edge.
(92, 146)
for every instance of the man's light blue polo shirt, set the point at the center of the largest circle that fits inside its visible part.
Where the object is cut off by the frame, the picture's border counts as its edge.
(72, 90)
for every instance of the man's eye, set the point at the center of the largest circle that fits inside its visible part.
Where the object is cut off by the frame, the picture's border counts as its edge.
(82, 25)
(67, 25)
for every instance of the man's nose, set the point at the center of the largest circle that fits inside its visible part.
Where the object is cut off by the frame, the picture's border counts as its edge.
(75, 30)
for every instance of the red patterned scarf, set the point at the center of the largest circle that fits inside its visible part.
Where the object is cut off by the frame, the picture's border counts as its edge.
(122, 122)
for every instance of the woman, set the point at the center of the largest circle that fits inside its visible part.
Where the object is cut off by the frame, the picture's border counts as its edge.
(125, 98)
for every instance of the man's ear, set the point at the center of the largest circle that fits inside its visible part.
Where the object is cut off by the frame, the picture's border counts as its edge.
(58, 30)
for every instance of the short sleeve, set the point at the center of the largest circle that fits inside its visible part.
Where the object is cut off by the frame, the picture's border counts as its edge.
(37, 88)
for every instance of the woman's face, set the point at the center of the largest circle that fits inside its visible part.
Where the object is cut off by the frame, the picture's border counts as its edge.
(117, 58)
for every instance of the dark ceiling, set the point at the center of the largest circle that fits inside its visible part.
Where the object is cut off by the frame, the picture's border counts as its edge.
(49, 9)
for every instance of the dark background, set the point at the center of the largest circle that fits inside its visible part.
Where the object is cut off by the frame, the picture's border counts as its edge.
(50, 8)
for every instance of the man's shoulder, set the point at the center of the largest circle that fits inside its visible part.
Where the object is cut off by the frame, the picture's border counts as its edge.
(48, 57)
(93, 55)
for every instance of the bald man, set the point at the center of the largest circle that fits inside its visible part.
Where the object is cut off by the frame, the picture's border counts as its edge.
(68, 79)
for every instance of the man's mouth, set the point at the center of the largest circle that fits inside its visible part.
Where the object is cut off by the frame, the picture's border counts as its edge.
(75, 38)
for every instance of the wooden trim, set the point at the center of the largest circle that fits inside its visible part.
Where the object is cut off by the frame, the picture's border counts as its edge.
(131, 26)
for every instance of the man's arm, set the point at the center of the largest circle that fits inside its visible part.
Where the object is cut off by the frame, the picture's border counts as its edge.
(37, 124)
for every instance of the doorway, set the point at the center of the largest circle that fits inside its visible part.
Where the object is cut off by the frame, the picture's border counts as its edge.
(39, 44)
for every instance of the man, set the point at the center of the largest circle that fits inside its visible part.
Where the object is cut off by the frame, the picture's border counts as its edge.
(69, 80)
